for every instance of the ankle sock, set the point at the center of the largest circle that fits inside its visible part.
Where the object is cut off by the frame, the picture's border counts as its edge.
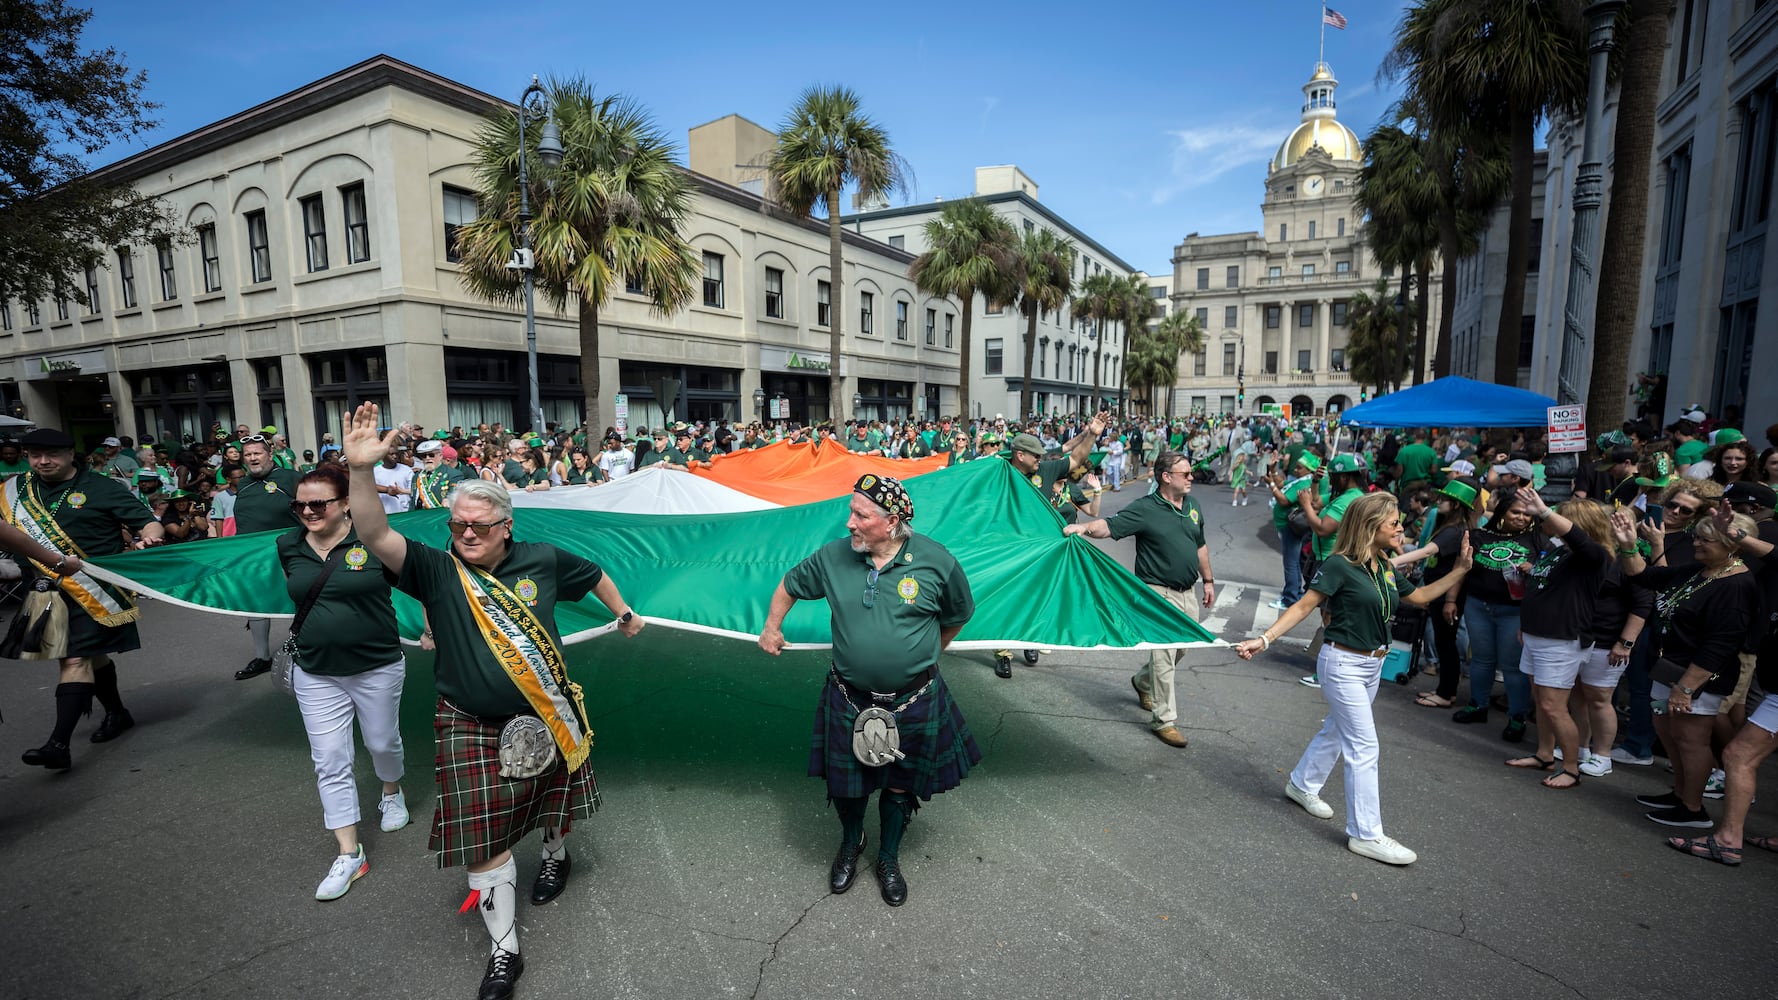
(73, 700)
(555, 845)
(105, 687)
(498, 905)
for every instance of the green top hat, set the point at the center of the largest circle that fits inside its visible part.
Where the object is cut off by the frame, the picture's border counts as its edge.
(1461, 492)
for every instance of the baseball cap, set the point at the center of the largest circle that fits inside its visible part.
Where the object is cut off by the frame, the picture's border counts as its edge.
(1461, 467)
(112, 443)
(1027, 443)
(1754, 493)
(428, 447)
(447, 453)
(1309, 460)
(1517, 467)
(1347, 463)
(1728, 435)
(1695, 413)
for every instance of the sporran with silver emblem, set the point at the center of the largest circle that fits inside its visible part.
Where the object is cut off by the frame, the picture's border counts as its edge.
(527, 749)
(875, 739)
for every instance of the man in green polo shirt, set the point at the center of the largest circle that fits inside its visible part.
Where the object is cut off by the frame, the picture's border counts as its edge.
(1417, 460)
(911, 445)
(859, 439)
(12, 459)
(662, 454)
(1172, 558)
(885, 664)
(689, 447)
(262, 503)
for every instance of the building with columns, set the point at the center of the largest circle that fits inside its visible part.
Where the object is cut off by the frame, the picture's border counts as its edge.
(322, 272)
(1273, 304)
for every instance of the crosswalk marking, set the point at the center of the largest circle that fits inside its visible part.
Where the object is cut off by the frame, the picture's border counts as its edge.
(1240, 612)
(1228, 597)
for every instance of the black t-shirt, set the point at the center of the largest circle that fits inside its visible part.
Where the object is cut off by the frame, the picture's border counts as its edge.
(1766, 572)
(1679, 549)
(1494, 552)
(1708, 626)
(1619, 599)
(1564, 586)
(1449, 540)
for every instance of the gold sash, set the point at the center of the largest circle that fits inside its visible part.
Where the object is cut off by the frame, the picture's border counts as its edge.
(429, 494)
(24, 510)
(523, 647)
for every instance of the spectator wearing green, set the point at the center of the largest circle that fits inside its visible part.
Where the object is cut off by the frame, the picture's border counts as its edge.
(1346, 474)
(1417, 460)
(1285, 494)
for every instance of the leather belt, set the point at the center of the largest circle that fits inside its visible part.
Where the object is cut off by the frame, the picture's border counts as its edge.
(924, 678)
(1375, 654)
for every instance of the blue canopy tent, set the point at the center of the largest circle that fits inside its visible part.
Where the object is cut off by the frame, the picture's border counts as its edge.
(1453, 401)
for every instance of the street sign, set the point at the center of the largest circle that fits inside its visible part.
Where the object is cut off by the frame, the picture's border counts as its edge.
(1567, 429)
(621, 403)
(775, 409)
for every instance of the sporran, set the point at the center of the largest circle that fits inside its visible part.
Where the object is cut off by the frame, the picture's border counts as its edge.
(527, 749)
(875, 739)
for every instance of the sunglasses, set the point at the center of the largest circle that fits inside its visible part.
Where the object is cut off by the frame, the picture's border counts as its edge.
(300, 507)
(1679, 508)
(481, 530)
(254, 439)
(870, 589)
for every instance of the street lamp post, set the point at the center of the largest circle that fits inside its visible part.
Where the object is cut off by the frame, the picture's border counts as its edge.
(533, 107)
(1589, 191)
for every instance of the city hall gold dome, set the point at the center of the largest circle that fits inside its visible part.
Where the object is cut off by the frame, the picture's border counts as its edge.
(1319, 127)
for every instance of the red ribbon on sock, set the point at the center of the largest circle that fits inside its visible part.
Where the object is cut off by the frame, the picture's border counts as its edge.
(475, 896)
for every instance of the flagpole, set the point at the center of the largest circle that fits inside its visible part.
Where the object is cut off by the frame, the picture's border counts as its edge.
(1323, 56)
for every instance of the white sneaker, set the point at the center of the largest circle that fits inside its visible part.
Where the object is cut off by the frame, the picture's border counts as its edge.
(1622, 756)
(394, 810)
(1278, 605)
(1383, 849)
(1596, 766)
(1585, 753)
(346, 869)
(1311, 803)
(1713, 788)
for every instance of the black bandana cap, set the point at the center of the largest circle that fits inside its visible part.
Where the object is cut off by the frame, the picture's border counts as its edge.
(886, 493)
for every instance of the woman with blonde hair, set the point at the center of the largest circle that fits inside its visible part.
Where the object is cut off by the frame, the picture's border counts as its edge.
(1361, 592)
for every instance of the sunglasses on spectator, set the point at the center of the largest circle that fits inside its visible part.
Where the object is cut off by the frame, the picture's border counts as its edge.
(254, 439)
(1679, 508)
(299, 507)
(481, 530)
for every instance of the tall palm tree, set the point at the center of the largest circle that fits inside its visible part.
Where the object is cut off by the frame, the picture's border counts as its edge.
(1626, 224)
(1524, 58)
(826, 144)
(1043, 277)
(1373, 349)
(1399, 199)
(614, 209)
(1136, 311)
(970, 249)
(1100, 301)
(1176, 335)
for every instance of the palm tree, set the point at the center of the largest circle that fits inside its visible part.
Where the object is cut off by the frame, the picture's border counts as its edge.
(1523, 58)
(1099, 300)
(1373, 349)
(1043, 277)
(1626, 224)
(970, 249)
(1399, 198)
(1177, 334)
(824, 145)
(1137, 310)
(614, 209)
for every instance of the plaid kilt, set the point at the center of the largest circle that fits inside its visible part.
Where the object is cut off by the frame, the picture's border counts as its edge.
(479, 813)
(940, 751)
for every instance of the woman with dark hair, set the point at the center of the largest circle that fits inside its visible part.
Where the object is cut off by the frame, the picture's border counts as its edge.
(582, 470)
(1456, 515)
(182, 521)
(1767, 471)
(535, 476)
(1504, 548)
(1729, 462)
(348, 665)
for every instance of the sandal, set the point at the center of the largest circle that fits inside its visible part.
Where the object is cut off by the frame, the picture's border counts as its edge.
(1573, 780)
(1707, 847)
(1428, 699)
(1532, 763)
(1763, 843)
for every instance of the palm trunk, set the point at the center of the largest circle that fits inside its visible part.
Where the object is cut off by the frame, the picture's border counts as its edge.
(1030, 356)
(1447, 251)
(1098, 355)
(1518, 240)
(964, 353)
(836, 283)
(589, 359)
(1626, 222)
(1422, 311)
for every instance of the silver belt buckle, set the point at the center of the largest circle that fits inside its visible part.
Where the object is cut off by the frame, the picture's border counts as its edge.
(875, 739)
(526, 748)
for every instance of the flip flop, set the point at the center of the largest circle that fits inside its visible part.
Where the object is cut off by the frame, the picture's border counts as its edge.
(1763, 843)
(1541, 765)
(1574, 781)
(1707, 847)
(1426, 699)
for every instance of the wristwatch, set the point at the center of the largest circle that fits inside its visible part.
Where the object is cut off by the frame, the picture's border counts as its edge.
(624, 619)
(1688, 692)
(1627, 643)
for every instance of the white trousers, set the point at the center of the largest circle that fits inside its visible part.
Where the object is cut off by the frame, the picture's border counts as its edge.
(1349, 684)
(328, 705)
(1156, 676)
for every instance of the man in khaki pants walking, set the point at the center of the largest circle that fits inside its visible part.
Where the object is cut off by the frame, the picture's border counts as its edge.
(1172, 558)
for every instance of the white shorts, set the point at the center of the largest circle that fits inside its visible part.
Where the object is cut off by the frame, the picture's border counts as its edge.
(1596, 669)
(1704, 704)
(1552, 663)
(1765, 710)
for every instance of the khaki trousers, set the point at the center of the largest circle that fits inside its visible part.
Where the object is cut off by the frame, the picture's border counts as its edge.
(1155, 679)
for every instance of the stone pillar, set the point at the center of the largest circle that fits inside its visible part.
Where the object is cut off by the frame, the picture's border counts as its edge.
(1323, 320)
(123, 409)
(300, 417)
(1286, 321)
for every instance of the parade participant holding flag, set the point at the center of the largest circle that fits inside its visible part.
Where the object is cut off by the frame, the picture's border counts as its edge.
(68, 512)
(511, 727)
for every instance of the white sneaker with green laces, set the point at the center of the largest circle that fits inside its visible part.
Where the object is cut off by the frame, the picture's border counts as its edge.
(1716, 784)
(394, 810)
(346, 869)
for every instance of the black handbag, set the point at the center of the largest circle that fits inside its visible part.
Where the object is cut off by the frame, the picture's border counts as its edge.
(284, 659)
(1670, 672)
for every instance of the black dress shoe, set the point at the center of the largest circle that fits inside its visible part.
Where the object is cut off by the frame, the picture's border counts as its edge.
(552, 878)
(1003, 666)
(114, 726)
(504, 970)
(1031, 657)
(845, 866)
(52, 755)
(253, 669)
(895, 888)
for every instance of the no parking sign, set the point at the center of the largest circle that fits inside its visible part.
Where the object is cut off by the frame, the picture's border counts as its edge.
(1567, 429)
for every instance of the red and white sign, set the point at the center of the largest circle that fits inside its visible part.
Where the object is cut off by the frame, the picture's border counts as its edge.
(1567, 429)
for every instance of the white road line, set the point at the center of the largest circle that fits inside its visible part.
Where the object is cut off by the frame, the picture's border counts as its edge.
(1228, 595)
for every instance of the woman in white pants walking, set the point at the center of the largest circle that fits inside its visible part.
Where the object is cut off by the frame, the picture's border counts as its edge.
(348, 665)
(1361, 592)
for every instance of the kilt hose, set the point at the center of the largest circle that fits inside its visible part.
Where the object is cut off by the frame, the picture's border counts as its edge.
(479, 813)
(939, 748)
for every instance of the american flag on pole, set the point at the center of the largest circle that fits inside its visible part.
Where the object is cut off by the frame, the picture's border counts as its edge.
(1333, 17)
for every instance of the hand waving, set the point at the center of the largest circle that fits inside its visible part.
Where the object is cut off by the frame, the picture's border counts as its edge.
(1623, 528)
(360, 442)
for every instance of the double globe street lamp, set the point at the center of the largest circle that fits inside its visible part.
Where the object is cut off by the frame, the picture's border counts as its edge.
(533, 107)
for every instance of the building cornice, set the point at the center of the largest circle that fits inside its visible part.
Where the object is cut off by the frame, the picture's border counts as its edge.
(1019, 197)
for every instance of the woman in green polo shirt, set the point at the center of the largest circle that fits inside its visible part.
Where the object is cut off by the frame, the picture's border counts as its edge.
(1361, 593)
(348, 665)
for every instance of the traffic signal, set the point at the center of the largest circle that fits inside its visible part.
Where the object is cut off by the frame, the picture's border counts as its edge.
(1363, 394)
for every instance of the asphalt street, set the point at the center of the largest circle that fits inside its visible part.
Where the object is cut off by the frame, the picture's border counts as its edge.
(1082, 858)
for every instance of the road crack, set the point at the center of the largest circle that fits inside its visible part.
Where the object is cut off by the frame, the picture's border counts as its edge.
(1462, 934)
(772, 956)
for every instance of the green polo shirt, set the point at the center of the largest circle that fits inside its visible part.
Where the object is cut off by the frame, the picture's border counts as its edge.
(1167, 539)
(1048, 471)
(1336, 509)
(351, 628)
(1360, 603)
(856, 443)
(1068, 500)
(757, 442)
(465, 670)
(1293, 488)
(959, 457)
(912, 449)
(14, 468)
(696, 454)
(455, 473)
(1417, 462)
(875, 438)
(264, 504)
(1689, 452)
(513, 473)
(918, 592)
(537, 478)
(655, 455)
(592, 474)
(90, 508)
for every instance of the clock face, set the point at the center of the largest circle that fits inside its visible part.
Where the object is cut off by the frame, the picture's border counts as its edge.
(1314, 185)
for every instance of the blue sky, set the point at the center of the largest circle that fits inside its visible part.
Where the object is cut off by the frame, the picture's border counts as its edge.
(1140, 122)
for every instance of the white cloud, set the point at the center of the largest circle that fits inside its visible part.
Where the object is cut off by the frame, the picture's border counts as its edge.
(1201, 155)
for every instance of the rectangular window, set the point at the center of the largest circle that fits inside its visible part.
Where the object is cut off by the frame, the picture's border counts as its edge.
(357, 223)
(1229, 314)
(61, 308)
(632, 285)
(32, 317)
(1228, 359)
(1527, 340)
(1043, 359)
(1275, 271)
(901, 321)
(126, 275)
(823, 304)
(1759, 154)
(1342, 267)
(775, 293)
(1274, 317)
(1339, 227)
(314, 231)
(866, 309)
(1302, 361)
(1339, 314)
(459, 210)
(5, 315)
(1233, 280)
(1305, 316)
(1203, 279)
(92, 290)
(1199, 361)
(1337, 359)
(163, 252)
(1311, 228)
(1283, 232)
(1679, 179)
(259, 247)
(713, 280)
(993, 356)
(1534, 248)
(1683, 52)
(1203, 316)
(898, 242)
(931, 327)
(950, 340)
(1271, 362)
(1308, 270)
(212, 257)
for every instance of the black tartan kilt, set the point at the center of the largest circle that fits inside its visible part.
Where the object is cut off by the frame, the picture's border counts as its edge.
(479, 813)
(939, 748)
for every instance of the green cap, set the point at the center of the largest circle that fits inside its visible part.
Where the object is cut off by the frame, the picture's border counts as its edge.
(1027, 443)
(441, 435)
(1729, 435)
(1461, 492)
(1347, 463)
(1309, 460)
